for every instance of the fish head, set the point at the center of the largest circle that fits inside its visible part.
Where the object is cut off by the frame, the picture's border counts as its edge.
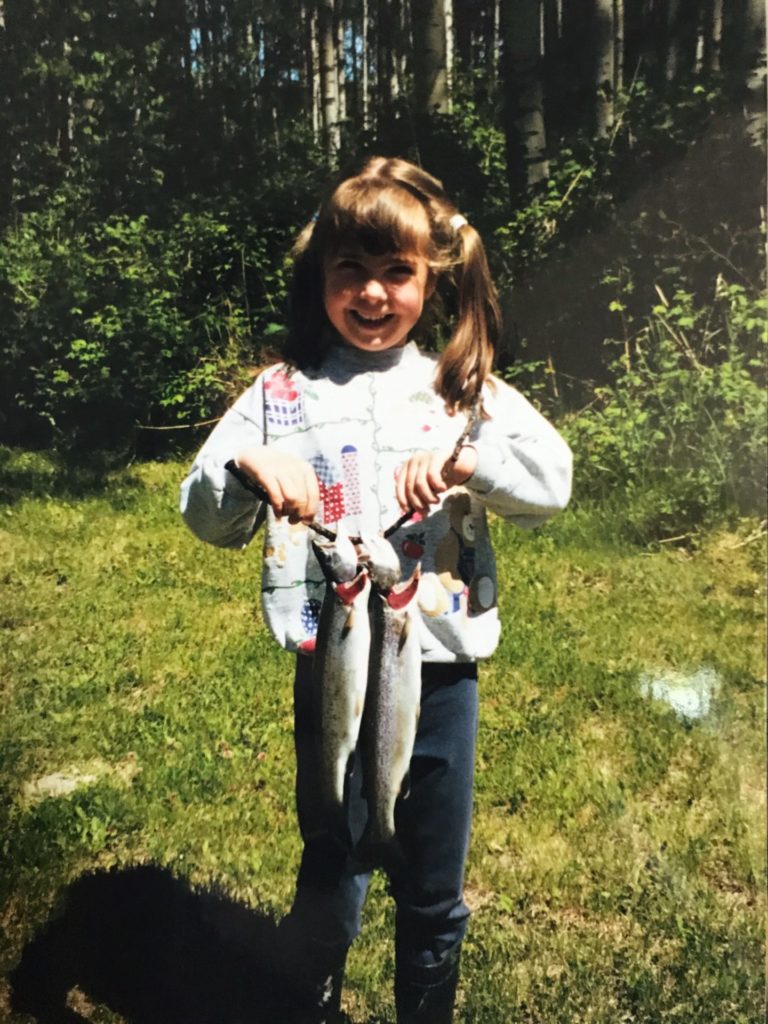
(337, 558)
(381, 560)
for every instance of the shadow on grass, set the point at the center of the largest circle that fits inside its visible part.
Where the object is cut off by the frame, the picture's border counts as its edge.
(33, 474)
(144, 945)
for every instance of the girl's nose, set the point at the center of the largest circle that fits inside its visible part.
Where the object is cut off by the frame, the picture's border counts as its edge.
(373, 290)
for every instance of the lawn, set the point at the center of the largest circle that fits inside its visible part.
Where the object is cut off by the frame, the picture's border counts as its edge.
(617, 870)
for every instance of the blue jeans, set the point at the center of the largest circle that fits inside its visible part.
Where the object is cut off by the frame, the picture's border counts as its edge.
(433, 827)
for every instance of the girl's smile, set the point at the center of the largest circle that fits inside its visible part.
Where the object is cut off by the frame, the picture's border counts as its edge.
(374, 301)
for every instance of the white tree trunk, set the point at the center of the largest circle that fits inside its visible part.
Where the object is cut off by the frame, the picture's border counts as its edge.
(314, 71)
(365, 60)
(672, 56)
(341, 70)
(430, 82)
(449, 53)
(386, 75)
(755, 106)
(496, 46)
(311, 64)
(521, 25)
(65, 116)
(618, 46)
(715, 36)
(604, 66)
(328, 78)
(403, 47)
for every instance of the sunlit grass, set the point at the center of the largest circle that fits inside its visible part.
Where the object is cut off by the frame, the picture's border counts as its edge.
(617, 865)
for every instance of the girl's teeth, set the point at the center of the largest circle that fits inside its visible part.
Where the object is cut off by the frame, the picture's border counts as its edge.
(372, 321)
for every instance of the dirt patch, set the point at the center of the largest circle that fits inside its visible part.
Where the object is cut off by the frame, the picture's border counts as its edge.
(74, 777)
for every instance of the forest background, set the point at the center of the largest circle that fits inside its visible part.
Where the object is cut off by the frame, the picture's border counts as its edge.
(157, 158)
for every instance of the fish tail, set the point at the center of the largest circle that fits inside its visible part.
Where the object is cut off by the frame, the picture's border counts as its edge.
(376, 852)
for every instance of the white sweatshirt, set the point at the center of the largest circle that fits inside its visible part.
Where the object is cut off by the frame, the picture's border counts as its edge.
(356, 420)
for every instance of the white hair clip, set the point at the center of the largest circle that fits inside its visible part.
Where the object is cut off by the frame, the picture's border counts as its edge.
(457, 221)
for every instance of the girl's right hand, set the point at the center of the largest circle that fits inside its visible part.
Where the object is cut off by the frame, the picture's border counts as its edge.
(290, 482)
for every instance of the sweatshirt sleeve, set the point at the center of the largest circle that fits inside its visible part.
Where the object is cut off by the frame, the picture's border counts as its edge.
(215, 506)
(524, 466)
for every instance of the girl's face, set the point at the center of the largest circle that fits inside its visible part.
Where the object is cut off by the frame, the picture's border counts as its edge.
(374, 301)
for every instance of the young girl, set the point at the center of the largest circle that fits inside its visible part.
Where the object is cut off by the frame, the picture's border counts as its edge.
(356, 426)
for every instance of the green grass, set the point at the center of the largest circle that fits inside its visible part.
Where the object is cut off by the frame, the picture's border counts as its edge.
(617, 865)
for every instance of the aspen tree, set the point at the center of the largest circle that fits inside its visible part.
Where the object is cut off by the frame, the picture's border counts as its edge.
(312, 66)
(430, 86)
(523, 94)
(365, 69)
(755, 60)
(618, 47)
(329, 101)
(449, 51)
(341, 70)
(385, 62)
(604, 31)
(712, 35)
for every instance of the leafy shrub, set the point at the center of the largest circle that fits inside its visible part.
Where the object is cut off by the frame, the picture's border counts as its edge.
(107, 324)
(534, 229)
(679, 434)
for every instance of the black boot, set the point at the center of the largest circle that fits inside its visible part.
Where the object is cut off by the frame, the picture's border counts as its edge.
(426, 995)
(310, 977)
(316, 999)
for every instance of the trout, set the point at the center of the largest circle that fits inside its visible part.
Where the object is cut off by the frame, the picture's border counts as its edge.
(392, 700)
(340, 668)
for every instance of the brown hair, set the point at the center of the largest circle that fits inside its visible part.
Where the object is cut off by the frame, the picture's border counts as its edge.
(382, 209)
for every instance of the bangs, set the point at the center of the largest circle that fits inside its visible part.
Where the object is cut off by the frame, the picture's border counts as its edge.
(377, 216)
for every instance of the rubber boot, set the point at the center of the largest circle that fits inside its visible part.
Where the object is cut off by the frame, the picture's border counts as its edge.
(316, 1000)
(311, 977)
(426, 995)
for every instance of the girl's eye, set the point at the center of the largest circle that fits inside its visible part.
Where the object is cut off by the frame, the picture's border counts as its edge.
(402, 270)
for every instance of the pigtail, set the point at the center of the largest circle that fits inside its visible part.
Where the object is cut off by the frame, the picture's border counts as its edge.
(309, 333)
(467, 360)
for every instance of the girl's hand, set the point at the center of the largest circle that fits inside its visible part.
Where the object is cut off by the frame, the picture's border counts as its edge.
(290, 482)
(426, 475)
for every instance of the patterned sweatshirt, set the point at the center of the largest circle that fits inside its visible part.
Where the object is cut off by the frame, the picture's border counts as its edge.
(356, 419)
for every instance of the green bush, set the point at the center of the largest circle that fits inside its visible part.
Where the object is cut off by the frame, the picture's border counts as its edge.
(104, 325)
(678, 436)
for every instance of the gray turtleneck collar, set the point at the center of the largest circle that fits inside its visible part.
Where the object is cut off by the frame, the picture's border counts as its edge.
(344, 360)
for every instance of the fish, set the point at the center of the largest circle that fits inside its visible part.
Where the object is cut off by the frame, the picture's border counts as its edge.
(339, 670)
(393, 699)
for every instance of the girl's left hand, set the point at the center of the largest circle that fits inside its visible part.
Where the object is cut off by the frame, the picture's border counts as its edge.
(426, 475)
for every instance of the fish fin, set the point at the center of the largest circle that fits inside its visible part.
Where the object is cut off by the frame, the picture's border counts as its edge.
(349, 623)
(386, 854)
(404, 632)
(405, 787)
